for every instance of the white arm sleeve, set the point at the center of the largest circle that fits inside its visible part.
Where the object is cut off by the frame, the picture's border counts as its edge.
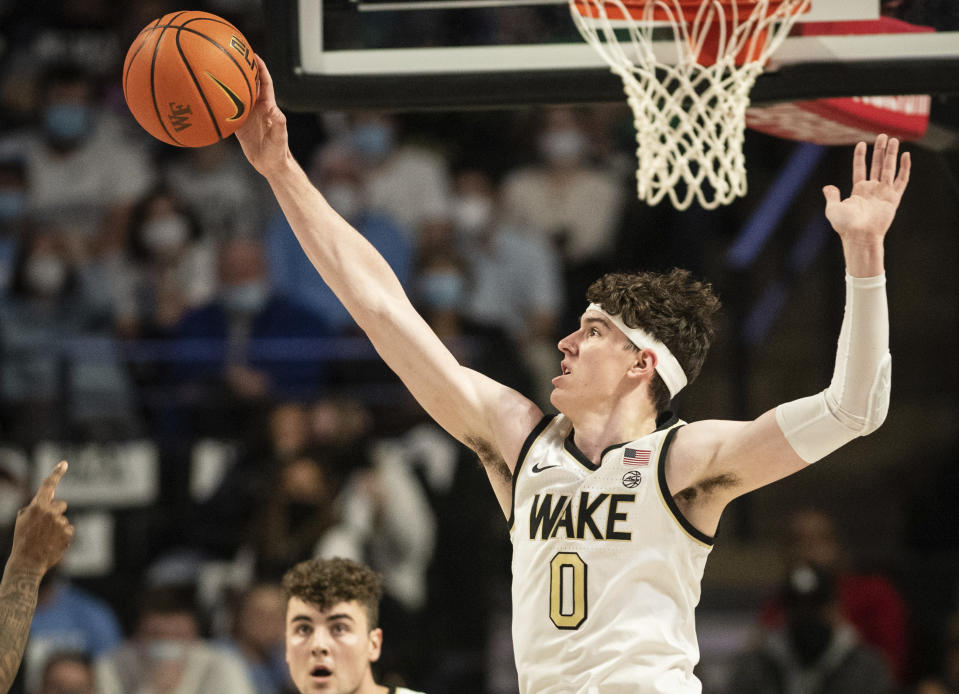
(857, 399)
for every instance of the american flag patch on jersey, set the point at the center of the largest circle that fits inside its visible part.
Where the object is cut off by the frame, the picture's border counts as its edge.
(636, 457)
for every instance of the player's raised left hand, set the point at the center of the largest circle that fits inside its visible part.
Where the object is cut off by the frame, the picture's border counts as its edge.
(866, 215)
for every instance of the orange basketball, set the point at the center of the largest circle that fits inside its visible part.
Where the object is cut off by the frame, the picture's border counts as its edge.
(189, 78)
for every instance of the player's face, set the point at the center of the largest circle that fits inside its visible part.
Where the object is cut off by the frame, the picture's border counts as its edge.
(331, 650)
(595, 360)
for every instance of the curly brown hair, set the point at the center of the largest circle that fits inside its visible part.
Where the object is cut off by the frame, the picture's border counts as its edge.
(326, 582)
(675, 308)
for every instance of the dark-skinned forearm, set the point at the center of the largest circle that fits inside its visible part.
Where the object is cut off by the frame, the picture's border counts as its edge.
(18, 601)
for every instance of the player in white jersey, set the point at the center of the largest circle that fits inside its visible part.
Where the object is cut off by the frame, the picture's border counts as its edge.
(604, 600)
(602, 544)
(332, 632)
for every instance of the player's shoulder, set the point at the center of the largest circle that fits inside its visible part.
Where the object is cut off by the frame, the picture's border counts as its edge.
(695, 440)
(702, 432)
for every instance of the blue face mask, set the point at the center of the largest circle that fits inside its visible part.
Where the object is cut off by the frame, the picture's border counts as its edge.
(12, 204)
(67, 122)
(373, 140)
(442, 290)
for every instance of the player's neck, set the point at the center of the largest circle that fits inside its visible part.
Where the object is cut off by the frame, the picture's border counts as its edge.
(594, 432)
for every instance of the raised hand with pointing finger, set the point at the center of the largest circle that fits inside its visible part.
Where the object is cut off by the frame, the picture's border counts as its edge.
(40, 537)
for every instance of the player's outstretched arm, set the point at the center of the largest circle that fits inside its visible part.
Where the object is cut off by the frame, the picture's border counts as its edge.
(40, 537)
(783, 440)
(471, 407)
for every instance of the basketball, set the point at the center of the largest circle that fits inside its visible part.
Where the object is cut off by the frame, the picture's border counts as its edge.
(189, 78)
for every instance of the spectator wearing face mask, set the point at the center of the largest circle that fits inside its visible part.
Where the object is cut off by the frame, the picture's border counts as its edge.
(245, 348)
(566, 199)
(869, 599)
(68, 618)
(257, 636)
(338, 172)
(517, 280)
(816, 651)
(168, 654)
(84, 170)
(563, 195)
(228, 200)
(46, 390)
(171, 267)
(442, 287)
(407, 181)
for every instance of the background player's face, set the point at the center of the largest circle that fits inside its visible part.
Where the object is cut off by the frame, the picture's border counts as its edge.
(812, 538)
(595, 360)
(67, 677)
(330, 650)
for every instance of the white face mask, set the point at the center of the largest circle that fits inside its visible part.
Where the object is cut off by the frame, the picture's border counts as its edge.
(247, 298)
(166, 234)
(563, 146)
(11, 501)
(159, 650)
(442, 289)
(472, 213)
(45, 274)
(344, 198)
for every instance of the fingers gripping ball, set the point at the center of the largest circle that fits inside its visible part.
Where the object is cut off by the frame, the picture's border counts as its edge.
(189, 78)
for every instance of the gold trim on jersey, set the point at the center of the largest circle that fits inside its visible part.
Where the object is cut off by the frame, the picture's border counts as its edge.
(538, 431)
(691, 531)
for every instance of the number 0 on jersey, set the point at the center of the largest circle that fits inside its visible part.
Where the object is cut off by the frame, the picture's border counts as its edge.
(567, 590)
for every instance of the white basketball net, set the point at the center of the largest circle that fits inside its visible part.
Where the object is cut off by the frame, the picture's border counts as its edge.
(690, 119)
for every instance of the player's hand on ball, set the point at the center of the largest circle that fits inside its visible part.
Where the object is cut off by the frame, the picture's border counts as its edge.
(263, 136)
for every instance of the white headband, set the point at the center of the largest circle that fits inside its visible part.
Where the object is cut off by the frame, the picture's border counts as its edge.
(666, 365)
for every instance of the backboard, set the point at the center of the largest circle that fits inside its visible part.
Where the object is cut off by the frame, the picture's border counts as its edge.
(430, 54)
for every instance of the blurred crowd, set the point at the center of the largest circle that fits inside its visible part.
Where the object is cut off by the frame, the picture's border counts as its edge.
(154, 294)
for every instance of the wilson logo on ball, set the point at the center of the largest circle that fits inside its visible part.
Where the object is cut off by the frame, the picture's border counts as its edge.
(179, 117)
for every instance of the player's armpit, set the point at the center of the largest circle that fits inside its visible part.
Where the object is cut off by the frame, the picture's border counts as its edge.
(491, 419)
(743, 455)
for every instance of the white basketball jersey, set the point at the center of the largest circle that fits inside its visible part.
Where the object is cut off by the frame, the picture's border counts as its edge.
(606, 570)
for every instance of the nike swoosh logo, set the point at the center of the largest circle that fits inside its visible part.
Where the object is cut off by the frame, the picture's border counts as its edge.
(537, 468)
(237, 102)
